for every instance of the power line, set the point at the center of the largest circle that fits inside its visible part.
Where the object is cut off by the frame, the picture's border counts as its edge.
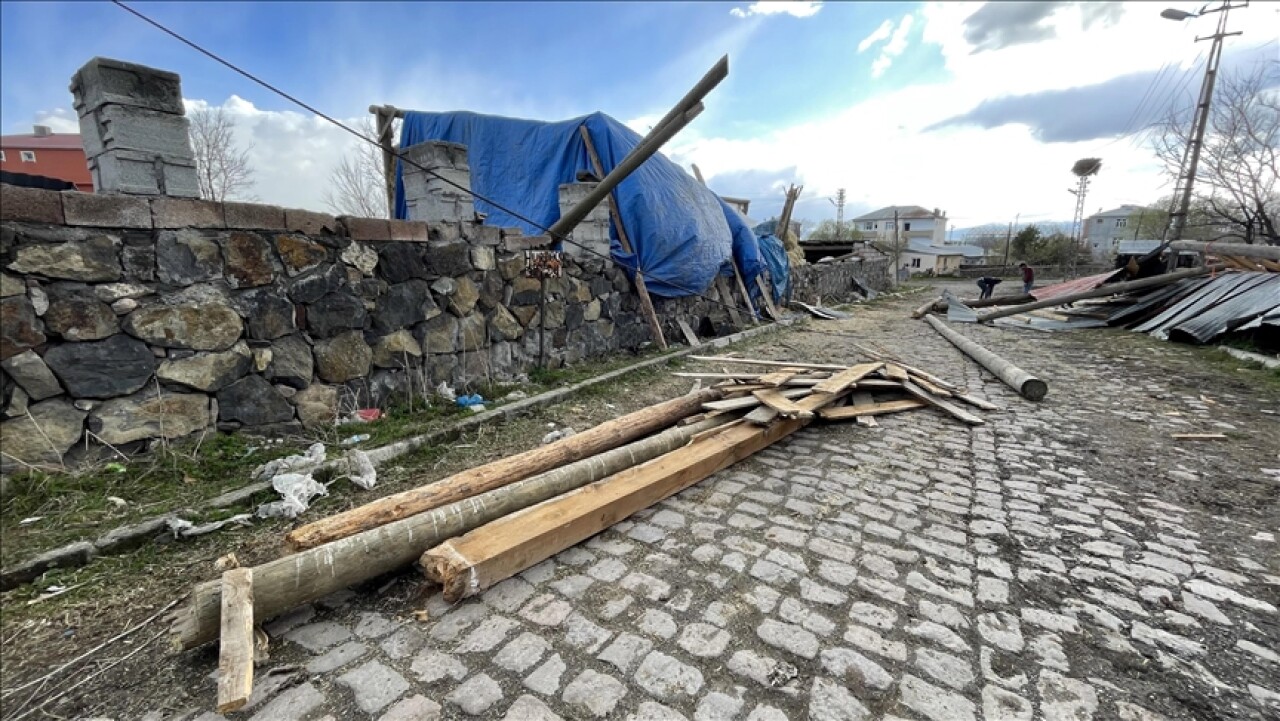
(562, 238)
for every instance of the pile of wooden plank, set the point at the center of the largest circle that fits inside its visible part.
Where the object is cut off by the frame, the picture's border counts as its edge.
(478, 527)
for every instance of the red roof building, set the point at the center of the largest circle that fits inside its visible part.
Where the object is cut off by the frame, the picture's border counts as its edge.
(47, 154)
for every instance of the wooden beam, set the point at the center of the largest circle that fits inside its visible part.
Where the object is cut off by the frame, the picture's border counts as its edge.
(895, 372)
(955, 411)
(235, 651)
(775, 399)
(846, 378)
(385, 126)
(758, 362)
(1244, 250)
(742, 289)
(646, 303)
(689, 335)
(726, 297)
(492, 553)
(737, 404)
(767, 296)
(872, 409)
(500, 472)
(779, 378)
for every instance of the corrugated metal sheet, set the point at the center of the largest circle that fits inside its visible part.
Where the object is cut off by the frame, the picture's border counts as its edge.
(1255, 301)
(1089, 282)
(1155, 301)
(1218, 289)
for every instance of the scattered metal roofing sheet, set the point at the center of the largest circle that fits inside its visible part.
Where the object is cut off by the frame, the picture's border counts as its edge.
(1089, 282)
(1256, 300)
(1154, 301)
(1219, 289)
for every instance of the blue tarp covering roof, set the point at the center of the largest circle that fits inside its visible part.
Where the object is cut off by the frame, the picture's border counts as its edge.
(682, 234)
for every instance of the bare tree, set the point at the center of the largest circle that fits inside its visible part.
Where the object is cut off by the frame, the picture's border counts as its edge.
(357, 186)
(222, 168)
(1236, 180)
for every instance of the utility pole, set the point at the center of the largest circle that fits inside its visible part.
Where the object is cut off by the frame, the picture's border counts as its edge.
(1191, 157)
(1008, 239)
(897, 247)
(839, 203)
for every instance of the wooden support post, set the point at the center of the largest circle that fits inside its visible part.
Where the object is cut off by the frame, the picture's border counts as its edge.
(689, 335)
(767, 295)
(746, 298)
(646, 303)
(500, 472)
(726, 297)
(385, 120)
(235, 652)
(492, 553)
(1027, 385)
(291, 581)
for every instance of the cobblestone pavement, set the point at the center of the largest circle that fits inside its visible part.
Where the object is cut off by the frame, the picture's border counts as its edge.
(1062, 562)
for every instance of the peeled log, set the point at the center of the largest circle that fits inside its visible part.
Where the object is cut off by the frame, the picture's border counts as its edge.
(1241, 250)
(499, 473)
(288, 582)
(1027, 385)
(466, 566)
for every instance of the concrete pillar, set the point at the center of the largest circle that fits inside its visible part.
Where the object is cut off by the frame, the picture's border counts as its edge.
(133, 128)
(593, 231)
(427, 197)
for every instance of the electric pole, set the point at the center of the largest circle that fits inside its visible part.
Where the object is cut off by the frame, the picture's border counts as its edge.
(838, 201)
(1191, 157)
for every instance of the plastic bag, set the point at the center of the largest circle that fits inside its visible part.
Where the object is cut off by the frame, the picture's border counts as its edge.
(297, 491)
(360, 470)
(303, 462)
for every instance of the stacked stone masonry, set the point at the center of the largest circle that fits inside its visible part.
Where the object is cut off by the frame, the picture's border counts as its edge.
(127, 318)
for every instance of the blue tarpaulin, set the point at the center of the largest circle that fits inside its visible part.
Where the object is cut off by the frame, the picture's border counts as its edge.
(777, 264)
(682, 234)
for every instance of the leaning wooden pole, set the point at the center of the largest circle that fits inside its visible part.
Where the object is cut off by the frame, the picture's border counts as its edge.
(291, 581)
(1027, 385)
(466, 566)
(500, 472)
(1102, 292)
(1243, 250)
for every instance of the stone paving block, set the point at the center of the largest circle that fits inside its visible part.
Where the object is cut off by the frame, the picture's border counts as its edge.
(337, 657)
(316, 637)
(596, 692)
(667, 678)
(717, 706)
(650, 711)
(704, 640)
(546, 678)
(529, 708)
(626, 651)
(788, 637)
(431, 665)
(935, 703)
(477, 695)
(374, 685)
(291, 705)
(831, 701)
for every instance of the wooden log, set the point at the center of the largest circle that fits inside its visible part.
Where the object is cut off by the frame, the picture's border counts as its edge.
(646, 303)
(1106, 290)
(924, 309)
(492, 553)
(737, 404)
(235, 652)
(1243, 250)
(500, 472)
(291, 581)
(872, 409)
(1027, 385)
(941, 305)
(955, 411)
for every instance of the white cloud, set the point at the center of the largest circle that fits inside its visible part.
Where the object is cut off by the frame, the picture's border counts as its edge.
(59, 120)
(879, 34)
(794, 8)
(896, 46)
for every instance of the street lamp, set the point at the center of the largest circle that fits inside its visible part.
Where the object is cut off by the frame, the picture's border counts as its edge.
(1172, 14)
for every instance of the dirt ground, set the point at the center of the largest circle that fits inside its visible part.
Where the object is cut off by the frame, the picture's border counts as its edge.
(1117, 398)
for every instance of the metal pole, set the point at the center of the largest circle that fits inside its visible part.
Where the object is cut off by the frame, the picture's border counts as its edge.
(634, 159)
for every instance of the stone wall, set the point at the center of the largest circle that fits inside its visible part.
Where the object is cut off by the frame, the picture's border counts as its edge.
(839, 282)
(128, 318)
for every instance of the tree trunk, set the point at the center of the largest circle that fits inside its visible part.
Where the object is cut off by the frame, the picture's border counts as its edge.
(291, 581)
(499, 473)
(468, 565)
(1027, 385)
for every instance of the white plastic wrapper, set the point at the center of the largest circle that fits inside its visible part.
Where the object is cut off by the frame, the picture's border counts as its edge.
(292, 464)
(182, 528)
(360, 470)
(444, 391)
(296, 490)
(554, 436)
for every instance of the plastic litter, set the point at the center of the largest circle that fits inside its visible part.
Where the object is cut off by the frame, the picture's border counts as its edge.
(358, 438)
(360, 469)
(554, 436)
(515, 396)
(296, 490)
(477, 408)
(292, 464)
(474, 399)
(444, 391)
(182, 528)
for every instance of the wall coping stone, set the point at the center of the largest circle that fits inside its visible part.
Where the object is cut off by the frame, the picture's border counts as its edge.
(106, 211)
(252, 216)
(174, 213)
(33, 205)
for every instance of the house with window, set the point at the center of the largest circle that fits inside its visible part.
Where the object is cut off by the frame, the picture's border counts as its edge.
(924, 258)
(46, 154)
(1106, 229)
(913, 223)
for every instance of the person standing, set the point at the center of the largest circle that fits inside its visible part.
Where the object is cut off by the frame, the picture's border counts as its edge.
(987, 284)
(1028, 277)
(904, 273)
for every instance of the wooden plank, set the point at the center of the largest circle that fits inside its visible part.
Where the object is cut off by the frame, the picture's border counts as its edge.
(646, 303)
(1199, 437)
(876, 384)
(762, 415)
(873, 409)
(846, 378)
(385, 129)
(955, 411)
(977, 402)
(776, 400)
(895, 372)
(759, 362)
(711, 431)
(689, 335)
(778, 378)
(767, 295)
(726, 297)
(492, 553)
(742, 290)
(737, 404)
(931, 387)
(235, 650)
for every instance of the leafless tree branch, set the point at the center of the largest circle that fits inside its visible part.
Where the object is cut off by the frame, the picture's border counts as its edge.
(222, 168)
(357, 187)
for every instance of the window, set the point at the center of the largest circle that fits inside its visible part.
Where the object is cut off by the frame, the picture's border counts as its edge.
(1121, 222)
(906, 226)
(1, 156)
(915, 262)
(868, 226)
(1099, 221)
(28, 156)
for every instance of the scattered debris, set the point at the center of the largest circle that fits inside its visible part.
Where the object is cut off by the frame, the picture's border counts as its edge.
(556, 435)
(300, 463)
(360, 470)
(352, 440)
(296, 491)
(181, 528)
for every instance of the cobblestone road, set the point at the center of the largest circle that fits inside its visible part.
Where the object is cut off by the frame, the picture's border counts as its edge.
(1057, 563)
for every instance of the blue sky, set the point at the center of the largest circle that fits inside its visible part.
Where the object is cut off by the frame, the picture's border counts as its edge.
(891, 100)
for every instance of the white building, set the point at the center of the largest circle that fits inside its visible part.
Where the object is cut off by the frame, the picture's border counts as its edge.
(914, 223)
(922, 257)
(1104, 230)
